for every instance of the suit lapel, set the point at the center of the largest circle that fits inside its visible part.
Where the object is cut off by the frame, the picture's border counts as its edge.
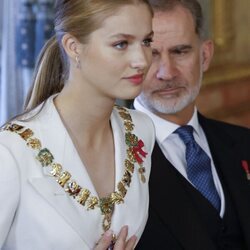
(173, 204)
(229, 167)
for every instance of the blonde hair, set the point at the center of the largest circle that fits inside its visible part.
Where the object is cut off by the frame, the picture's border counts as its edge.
(79, 18)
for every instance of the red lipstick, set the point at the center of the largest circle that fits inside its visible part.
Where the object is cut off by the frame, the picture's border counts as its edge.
(136, 79)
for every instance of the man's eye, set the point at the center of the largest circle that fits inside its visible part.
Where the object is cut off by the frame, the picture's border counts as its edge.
(121, 45)
(180, 52)
(147, 42)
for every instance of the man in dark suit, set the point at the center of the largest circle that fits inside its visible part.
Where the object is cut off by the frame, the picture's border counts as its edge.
(185, 213)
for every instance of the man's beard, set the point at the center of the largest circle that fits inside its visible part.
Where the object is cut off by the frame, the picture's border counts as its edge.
(171, 105)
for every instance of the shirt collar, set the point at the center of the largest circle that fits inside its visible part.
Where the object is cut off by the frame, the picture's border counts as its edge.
(165, 128)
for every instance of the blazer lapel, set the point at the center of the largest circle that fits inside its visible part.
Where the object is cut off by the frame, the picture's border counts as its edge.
(229, 166)
(134, 210)
(169, 204)
(56, 197)
(64, 152)
(77, 216)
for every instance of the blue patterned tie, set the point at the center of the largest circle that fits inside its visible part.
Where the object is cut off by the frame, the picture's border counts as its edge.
(198, 166)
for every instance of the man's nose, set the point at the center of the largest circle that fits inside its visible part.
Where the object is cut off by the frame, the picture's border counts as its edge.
(167, 69)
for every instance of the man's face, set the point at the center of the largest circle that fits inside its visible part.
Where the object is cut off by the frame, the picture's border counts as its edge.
(179, 59)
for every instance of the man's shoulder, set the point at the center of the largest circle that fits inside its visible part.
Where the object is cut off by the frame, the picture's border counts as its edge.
(223, 127)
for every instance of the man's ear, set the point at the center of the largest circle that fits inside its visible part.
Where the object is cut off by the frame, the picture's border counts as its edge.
(207, 53)
(71, 45)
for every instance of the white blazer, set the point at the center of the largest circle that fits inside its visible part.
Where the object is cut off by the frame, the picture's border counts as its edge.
(35, 211)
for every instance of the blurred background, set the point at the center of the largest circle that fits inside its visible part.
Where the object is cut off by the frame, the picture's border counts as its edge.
(226, 88)
(25, 25)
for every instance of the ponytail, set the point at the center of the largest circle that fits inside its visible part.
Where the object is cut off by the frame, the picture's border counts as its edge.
(48, 76)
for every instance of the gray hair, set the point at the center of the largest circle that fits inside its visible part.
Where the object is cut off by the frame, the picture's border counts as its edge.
(191, 5)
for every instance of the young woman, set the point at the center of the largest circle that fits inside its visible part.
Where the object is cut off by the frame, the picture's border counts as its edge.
(74, 167)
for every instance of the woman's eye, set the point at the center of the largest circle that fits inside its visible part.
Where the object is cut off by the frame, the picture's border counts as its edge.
(121, 45)
(147, 42)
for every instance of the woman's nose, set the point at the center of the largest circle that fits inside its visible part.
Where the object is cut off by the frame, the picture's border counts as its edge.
(141, 59)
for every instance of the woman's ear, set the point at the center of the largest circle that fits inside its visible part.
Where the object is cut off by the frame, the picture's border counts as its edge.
(207, 54)
(71, 45)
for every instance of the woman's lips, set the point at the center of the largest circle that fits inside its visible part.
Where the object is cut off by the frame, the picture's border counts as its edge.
(136, 79)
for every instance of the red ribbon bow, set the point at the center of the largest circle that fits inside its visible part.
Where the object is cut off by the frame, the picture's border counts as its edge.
(137, 151)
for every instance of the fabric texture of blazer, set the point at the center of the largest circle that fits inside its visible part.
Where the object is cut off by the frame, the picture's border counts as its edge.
(173, 221)
(37, 214)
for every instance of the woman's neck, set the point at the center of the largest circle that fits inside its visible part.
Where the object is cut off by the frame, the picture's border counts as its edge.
(86, 117)
(88, 124)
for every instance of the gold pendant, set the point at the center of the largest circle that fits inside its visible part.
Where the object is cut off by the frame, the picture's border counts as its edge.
(142, 172)
(106, 223)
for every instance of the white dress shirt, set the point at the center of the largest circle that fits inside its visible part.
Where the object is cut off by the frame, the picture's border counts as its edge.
(174, 148)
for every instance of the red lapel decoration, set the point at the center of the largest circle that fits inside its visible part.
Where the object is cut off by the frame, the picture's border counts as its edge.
(137, 150)
(246, 167)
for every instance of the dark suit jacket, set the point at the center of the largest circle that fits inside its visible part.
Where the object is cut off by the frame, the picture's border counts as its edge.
(173, 223)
